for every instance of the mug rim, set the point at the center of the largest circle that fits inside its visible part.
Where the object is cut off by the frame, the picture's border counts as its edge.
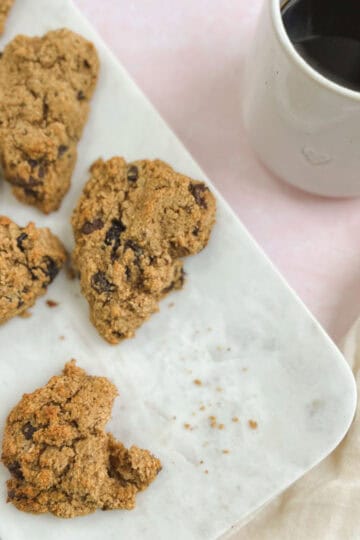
(288, 46)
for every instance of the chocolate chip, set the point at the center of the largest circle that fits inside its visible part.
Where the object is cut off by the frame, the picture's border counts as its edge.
(20, 182)
(118, 335)
(19, 241)
(128, 273)
(182, 277)
(196, 191)
(111, 471)
(18, 496)
(130, 244)
(133, 173)
(137, 250)
(15, 470)
(33, 163)
(91, 226)
(33, 276)
(41, 171)
(86, 64)
(62, 149)
(45, 110)
(20, 303)
(80, 95)
(178, 283)
(196, 231)
(11, 494)
(101, 284)
(28, 431)
(31, 193)
(169, 288)
(34, 182)
(17, 181)
(27, 185)
(113, 236)
(178, 251)
(52, 269)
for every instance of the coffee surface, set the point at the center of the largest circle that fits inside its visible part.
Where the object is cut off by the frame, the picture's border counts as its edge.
(326, 33)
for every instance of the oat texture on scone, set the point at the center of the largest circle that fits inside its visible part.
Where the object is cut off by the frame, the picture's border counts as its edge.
(45, 88)
(133, 225)
(5, 6)
(60, 458)
(30, 259)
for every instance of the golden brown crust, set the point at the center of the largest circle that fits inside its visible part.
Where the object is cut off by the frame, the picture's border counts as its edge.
(59, 456)
(45, 87)
(5, 6)
(132, 224)
(30, 258)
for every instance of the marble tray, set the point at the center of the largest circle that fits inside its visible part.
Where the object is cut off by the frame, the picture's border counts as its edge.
(236, 326)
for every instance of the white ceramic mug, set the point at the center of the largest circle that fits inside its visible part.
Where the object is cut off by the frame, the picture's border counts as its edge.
(304, 127)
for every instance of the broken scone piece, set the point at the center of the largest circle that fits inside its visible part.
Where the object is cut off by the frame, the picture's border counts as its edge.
(30, 259)
(132, 225)
(61, 460)
(45, 87)
(5, 6)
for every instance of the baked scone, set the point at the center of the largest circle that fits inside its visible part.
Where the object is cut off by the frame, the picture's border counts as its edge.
(60, 459)
(45, 87)
(5, 6)
(132, 225)
(30, 259)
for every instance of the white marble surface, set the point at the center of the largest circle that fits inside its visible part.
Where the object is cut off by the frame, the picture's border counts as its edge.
(236, 326)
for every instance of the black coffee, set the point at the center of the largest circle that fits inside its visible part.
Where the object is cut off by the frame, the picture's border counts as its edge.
(327, 35)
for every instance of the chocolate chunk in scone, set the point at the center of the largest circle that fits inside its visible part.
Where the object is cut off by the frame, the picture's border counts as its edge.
(45, 87)
(132, 225)
(5, 6)
(30, 259)
(59, 456)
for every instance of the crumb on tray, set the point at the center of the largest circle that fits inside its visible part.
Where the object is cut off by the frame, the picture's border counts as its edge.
(51, 303)
(252, 424)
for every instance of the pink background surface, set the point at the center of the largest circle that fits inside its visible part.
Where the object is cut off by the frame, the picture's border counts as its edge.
(188, 57)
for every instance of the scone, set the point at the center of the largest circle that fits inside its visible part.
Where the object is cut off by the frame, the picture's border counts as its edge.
(133, 224)
(45, 87)
(60, 459)
(30, 259)
(5, 6)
